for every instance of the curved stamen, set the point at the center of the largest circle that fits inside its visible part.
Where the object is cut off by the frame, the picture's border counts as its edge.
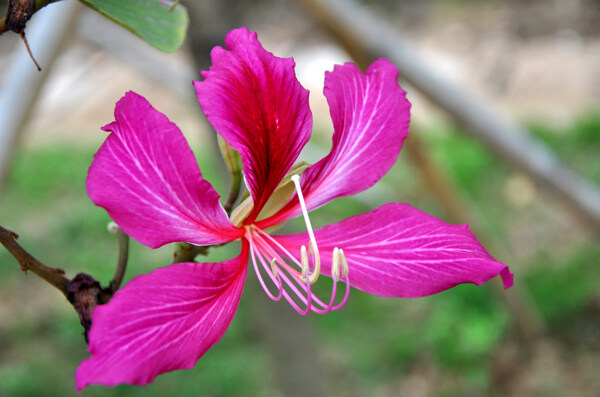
(313, 242)
(345, 276)
(275, 277)
(263, 243)
(297, 282)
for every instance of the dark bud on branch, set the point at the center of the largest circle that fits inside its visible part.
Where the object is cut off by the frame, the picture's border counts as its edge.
(19, 12)
(83, 292)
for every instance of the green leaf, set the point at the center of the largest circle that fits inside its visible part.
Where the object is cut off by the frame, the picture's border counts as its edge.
(148, 19)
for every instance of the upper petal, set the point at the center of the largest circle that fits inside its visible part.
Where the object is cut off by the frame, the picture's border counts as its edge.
(254, 100)
(397, 250)
(147, 178)
(370, 116)
(162, 321)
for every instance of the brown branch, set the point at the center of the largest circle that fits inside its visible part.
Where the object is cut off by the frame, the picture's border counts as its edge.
(27, 262)
(83, 291)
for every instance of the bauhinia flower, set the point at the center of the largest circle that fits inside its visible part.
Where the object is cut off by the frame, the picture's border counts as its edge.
(146, 177)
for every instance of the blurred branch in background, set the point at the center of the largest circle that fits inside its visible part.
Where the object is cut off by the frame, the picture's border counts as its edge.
(366, 38)
(149, 19)
(346, 22)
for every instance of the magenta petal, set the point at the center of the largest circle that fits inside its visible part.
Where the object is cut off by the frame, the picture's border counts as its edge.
(162, 321)
(254, 100)
(147, 178)
(370, 116)
(398, 250)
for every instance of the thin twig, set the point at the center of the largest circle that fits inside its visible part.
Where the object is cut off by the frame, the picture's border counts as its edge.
(27, 262)
(37, 65)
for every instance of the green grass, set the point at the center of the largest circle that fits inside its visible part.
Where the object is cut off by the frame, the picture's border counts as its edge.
(370, 343)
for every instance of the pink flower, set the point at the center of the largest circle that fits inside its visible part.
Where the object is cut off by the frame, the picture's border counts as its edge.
(146, 177)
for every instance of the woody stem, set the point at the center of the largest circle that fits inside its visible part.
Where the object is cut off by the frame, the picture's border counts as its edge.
(27, 262)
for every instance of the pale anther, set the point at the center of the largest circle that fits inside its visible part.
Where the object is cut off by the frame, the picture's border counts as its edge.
(312, 278)
(304, 261)
(335, 265)
(274, 267)
(344, 263)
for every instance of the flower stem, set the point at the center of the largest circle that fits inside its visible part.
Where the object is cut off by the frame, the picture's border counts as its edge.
(233, 161)
(117, 279)
(186, 252)
(234, 191)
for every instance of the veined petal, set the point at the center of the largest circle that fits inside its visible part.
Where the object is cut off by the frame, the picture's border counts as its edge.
(370, 116)
(147, 178)
(400, 251)
(254, 100)
(162, 321)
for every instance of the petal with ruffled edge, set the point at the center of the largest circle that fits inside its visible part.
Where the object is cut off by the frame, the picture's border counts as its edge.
(146, 177)
(370, 116)
(254, 100)
(162, 321)
(400, 251)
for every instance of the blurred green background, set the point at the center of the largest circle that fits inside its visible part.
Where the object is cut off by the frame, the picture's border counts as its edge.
(462, 342)
(454, 340)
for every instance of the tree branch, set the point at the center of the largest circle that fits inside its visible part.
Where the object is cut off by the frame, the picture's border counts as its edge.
(83, 291)
(27, 262)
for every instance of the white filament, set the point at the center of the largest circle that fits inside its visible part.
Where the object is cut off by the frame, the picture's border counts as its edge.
(313, 242)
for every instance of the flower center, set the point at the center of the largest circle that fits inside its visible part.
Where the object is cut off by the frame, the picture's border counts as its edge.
(294, 278)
